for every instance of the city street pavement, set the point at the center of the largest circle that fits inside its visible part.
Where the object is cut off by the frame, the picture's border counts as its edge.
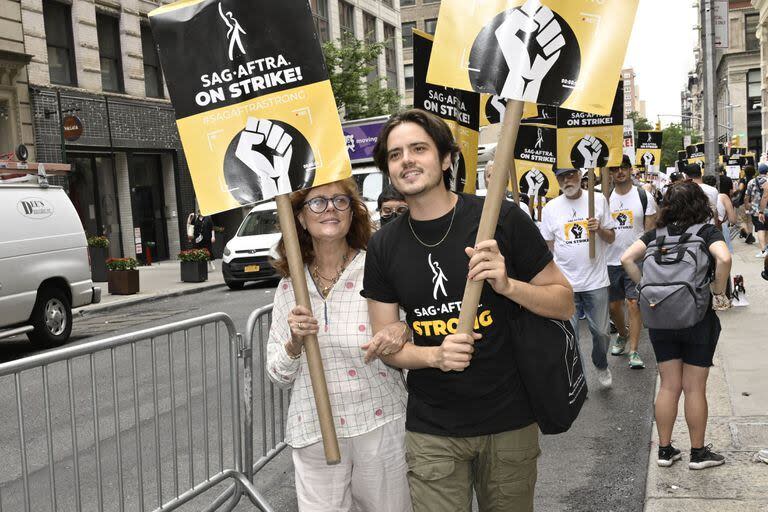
(738, 413)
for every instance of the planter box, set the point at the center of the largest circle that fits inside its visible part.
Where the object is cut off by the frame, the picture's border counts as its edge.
(99, 257)
(194, 271)
(123, 282)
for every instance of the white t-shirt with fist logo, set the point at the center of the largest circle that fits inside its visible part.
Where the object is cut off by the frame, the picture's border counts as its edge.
(627, 211)
(564, 221)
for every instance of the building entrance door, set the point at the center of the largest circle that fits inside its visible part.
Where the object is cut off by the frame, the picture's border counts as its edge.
(93, 192)
(148, 205)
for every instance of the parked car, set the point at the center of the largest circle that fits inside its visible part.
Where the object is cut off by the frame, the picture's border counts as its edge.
(247, 255)
(44, 267)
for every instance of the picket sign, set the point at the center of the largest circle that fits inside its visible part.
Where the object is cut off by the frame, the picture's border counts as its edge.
(505, 159)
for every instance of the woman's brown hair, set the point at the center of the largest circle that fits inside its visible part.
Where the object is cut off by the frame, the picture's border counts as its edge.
(359, 233)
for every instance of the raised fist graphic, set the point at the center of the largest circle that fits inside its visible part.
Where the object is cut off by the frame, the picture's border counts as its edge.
(535, 179)
(622, 219)
(647, 159)
(530, 40)
(590, 149)
(577, 231)
(267, 149)
(500, 105)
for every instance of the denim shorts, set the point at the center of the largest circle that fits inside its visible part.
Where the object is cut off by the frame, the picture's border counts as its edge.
(622, 286)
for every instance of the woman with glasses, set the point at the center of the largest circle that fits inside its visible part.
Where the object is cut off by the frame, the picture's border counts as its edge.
(367, 397)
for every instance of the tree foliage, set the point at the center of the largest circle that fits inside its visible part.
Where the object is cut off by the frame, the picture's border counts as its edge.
(673, 136)
(349, 61)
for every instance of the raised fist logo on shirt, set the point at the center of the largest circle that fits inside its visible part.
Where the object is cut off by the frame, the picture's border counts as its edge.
(577, 231)
(622, 219)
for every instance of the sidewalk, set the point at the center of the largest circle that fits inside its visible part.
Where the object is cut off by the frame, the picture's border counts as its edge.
(738, 413)
(159, 280)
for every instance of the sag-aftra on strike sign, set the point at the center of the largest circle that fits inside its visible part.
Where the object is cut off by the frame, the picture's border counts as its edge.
(253, 103)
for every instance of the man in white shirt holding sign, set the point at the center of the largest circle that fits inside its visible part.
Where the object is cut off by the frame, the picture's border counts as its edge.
(634, 211)
(567, 227)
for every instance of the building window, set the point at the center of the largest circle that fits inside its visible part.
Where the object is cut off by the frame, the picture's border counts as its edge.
(754, 116)
(108, 31)
(406, 3)
(750, 26)
(407, 30)
(153, 75)
(390, 56)
(320, 15)
(387, 3)
(430, 1)
(347, 18)
(369, 27)
(57, 19)
(408, 75)
(430, 26)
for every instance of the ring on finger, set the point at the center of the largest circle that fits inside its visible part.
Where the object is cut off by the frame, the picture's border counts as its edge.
(301, 325)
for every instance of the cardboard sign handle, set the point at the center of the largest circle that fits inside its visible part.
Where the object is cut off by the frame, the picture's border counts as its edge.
(591, 207)
(505, 159)
(605, 183)
(311, 346)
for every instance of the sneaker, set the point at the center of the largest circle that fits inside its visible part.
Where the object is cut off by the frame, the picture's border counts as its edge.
(604, 377)
(760, 255)
(619, 346)
(764, 274)
(667, 456)
(702, 458)
(614, 330)
(635, 362)
(750, 239)
(763, 455)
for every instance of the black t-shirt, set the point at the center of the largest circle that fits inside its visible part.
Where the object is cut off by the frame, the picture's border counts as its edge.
(428, 283)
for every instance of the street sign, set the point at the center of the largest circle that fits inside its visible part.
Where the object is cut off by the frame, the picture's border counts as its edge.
(721, 23)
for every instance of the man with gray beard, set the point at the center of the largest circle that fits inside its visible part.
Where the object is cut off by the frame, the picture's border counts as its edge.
(567, 228)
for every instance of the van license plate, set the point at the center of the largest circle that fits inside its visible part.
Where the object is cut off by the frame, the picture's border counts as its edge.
(251, 268)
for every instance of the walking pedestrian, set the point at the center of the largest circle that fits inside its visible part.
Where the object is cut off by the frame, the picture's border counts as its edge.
(684, 356)
(756, 190)
(204, 236)
(367, 400)
(469, 422)
(567, 228)
(745, 217)
(634, 211)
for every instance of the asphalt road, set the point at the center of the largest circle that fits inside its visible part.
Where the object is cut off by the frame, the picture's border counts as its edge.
(598, 466)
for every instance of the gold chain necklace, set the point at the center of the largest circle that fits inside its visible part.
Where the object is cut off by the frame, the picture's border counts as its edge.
(325, 290)
(444, 236)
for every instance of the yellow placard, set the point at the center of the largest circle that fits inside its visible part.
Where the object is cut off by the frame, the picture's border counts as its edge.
(555, 52)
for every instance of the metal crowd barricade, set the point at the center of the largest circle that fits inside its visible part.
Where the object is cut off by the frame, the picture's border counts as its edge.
(270, 402)
(119, 423)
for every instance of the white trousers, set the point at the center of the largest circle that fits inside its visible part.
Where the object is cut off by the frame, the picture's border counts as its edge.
(371, 475)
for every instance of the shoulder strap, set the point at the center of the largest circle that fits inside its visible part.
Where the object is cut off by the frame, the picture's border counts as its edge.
(643, 199)
(694, 230)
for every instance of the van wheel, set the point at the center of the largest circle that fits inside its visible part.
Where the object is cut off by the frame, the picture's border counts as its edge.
(51, 318)
(234, 285)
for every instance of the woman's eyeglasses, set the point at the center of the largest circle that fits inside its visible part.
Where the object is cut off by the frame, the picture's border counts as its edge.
(388, 212)
(320, 203)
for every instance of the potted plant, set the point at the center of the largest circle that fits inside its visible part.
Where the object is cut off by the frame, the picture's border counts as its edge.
(194, 265)
(122, 276)
(98, 252)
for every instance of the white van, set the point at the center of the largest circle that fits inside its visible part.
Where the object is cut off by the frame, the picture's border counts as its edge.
(247, 255)
(44, 267)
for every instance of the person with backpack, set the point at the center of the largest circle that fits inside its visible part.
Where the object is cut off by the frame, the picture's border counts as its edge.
(756, 188)
(679, 294)
(634, 212)
(738, 195)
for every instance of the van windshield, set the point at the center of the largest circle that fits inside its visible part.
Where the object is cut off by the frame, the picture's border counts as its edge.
(259, 223)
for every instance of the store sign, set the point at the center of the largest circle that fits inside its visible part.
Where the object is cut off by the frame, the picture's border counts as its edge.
(73, 128)
(361, 139)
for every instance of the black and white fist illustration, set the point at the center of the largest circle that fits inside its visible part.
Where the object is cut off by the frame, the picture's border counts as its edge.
(622, 219)
(577, 231)
(530, 39)
(590, 148)
(648, 158)
(267, 150)
(535, 179)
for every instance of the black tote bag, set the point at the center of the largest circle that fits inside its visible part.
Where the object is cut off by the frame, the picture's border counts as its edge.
(551, 370)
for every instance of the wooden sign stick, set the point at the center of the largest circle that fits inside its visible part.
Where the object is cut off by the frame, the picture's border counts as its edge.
(531, 199)
(605, 182)
(490, 216)
(540, 207)
(591, 207)
(311, 346)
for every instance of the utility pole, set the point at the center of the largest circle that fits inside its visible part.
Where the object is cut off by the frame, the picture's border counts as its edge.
(707, 11)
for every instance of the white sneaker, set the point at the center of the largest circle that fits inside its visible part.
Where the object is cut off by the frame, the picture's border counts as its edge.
(604, 378)
(763, 455)
(760, 255)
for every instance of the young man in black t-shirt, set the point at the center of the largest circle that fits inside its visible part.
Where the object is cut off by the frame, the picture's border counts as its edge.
(468, 421)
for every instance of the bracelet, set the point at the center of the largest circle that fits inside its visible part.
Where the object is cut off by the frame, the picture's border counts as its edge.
(289, 354)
